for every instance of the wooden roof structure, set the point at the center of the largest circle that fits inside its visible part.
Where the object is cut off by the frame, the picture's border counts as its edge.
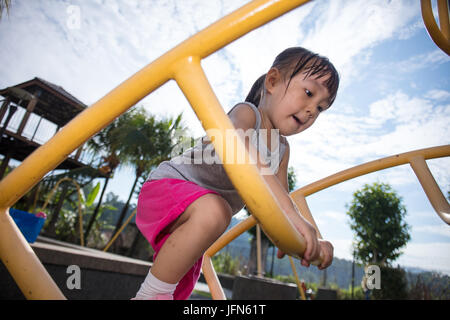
(45, 100)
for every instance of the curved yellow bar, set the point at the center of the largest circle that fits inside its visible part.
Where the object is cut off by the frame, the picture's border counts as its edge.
(415, 158)
(186, 57)
(440, 36)
(256, 195)
(417, 161)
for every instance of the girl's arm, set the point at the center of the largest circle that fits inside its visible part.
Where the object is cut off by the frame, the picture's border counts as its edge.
(244, 118)
(326, 247)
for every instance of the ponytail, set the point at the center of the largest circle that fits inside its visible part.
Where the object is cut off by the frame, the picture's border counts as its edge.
(254, 96)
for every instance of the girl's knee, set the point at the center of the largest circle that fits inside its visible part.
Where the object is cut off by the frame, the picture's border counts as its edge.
(213, 213)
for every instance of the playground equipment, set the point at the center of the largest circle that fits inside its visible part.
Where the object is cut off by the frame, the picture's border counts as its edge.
(415, 158)
(182, 64)
(440, 36)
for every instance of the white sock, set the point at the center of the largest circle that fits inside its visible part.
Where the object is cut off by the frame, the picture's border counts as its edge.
(152, 286)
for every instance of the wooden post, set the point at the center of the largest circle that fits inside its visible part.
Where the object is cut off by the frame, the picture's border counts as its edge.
(4, 108)
(30, 108)
(77, 155)
(4, 164)
(12, 110)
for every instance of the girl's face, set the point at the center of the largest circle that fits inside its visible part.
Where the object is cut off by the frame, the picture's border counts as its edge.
(295, 109)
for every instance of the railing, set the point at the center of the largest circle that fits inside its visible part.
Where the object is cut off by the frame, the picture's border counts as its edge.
(415, 158)
(183, 65)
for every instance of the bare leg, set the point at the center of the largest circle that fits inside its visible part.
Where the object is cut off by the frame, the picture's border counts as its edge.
(191, 235)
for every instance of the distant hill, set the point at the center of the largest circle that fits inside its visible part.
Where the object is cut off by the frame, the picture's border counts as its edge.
(340, 272)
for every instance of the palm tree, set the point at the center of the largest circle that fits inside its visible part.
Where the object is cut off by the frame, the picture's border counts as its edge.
(105, 144)
(144, 143)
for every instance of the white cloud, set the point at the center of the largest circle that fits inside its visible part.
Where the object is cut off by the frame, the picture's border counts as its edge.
(334, 216)
(438, 95)
(345, 30)
(432, 256)
(342, 248)
(420, 61)
(397, 123)
(441, 229)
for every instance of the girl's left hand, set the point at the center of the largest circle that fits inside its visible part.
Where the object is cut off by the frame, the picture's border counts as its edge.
(326, 249)
(326, 252)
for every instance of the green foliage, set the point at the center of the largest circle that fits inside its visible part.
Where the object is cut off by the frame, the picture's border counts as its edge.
(292, 179)
(92, 195)
(225, 263)
(377, 217)
(285, 278)
(65, 226)
(346, 294)
(393, 285)
(428, 286)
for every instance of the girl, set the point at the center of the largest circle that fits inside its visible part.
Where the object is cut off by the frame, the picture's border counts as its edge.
(184, 207)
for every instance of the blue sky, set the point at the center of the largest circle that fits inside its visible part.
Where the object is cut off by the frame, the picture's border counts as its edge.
(394, 95)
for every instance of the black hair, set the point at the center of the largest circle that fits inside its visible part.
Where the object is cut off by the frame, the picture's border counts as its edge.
(294, 60)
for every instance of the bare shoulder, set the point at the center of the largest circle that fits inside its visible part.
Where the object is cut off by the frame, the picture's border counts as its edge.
(286, 155)
(242, 116)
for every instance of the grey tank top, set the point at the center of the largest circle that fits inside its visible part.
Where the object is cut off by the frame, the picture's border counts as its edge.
(201, 165)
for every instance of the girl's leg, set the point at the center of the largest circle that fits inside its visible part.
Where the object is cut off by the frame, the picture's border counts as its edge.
(192, 233)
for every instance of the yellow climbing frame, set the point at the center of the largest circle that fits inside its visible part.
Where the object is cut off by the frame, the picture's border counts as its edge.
(440, 36)
(182, 64)
(416, 159)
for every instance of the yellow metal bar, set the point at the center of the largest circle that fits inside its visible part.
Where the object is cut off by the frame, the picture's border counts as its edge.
(119, 100)
(444, 18)
(302, 205)
(127, 94)
(257, 195)
(119, 231)
(298, 196)
(439, 37)
(230, 235)
(18, 257)
(258, 251)
(297, 280)
(208, 271)
(372, 166)
(432, 190)
(212, 280)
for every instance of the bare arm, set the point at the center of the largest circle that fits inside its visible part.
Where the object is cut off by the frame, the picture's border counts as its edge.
(243, 118)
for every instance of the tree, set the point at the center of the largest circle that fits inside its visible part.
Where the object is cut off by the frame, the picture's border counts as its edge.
(377, 217)
(143, 142)
(105, 144)
(265, 242)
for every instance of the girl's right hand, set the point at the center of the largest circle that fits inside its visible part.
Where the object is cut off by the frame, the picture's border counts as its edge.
(312, 251)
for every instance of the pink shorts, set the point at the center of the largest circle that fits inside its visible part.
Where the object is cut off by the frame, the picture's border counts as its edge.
(160, 202)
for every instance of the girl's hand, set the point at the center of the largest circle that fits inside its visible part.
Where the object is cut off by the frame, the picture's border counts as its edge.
(313, 248)
(312, 251)
(326, 249)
